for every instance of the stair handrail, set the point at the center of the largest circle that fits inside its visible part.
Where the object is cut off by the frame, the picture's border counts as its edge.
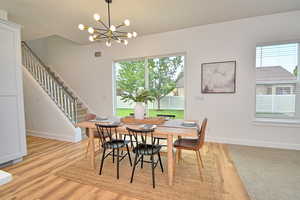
(50, 83)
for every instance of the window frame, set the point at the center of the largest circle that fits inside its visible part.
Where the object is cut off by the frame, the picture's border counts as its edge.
(282, 120)
(114, 85)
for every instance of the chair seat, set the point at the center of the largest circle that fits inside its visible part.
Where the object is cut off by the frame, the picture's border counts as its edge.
(114, 144)
(146, 149)
(189, 144)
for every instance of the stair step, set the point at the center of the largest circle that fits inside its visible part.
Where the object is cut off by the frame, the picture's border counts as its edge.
(82, 110)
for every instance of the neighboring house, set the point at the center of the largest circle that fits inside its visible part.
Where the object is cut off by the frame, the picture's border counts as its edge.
(179, 90)
(274, 80)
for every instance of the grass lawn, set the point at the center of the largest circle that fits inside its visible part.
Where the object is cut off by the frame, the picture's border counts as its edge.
(122, 112)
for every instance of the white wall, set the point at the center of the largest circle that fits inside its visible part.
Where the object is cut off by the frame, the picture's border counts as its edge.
(230, 115)
(43, 117)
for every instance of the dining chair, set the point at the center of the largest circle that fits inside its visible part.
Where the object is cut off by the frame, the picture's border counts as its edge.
(167, 117)
(109, 140)
(144, 147)
(193, 144)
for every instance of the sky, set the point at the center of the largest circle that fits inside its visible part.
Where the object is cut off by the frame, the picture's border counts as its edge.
(285, 55)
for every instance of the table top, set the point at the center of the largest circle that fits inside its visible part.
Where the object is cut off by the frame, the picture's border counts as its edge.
(170, 127)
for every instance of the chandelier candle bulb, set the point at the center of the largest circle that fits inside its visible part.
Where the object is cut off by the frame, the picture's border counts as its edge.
(112, 28)
(129, 35)
(81, 27)
(126, 22)
(108, 32)
(91, 38)
(97, 17)
(108, 43)
(91, 30)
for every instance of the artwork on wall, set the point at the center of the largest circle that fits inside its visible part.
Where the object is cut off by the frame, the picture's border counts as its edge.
(218, 77)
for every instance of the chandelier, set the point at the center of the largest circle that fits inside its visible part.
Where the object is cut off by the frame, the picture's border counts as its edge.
(108, 32)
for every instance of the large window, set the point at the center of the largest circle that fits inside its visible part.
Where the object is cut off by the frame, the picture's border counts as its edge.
(162, 76)
(277, 81)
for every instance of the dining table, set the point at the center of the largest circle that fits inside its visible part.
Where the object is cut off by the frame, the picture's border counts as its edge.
(170, 129)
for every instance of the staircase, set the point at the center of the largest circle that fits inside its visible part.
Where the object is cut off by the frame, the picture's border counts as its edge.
(54, 86)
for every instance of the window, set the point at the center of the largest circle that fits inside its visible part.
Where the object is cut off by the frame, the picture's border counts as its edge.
(162, 76)
(283, 90)
(277, 81)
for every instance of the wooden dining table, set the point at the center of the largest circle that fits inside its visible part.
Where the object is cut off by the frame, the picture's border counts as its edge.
(162, 131)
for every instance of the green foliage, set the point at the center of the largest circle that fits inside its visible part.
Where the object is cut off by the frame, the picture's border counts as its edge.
(163, 74)
(141, 95)
(130, 76)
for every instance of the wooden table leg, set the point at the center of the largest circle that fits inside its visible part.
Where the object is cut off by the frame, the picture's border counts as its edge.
(170, 160)
(92, 147)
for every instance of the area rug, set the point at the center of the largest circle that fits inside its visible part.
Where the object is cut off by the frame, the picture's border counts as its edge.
(187, 182)
(268, 174)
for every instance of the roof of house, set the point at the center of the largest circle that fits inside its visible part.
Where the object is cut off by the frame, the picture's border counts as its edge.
(273, 74)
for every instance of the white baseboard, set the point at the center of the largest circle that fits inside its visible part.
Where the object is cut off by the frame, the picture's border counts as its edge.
(254, 143)
(68, 138)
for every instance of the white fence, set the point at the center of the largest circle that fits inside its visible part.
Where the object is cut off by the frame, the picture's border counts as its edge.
(275, 103)
(264, 103)
(166, 103)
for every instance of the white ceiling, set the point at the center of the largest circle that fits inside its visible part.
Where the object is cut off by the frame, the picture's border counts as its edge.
(42, 18)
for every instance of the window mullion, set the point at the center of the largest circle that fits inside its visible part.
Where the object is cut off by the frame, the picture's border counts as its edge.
(297, 89)
(146, 78)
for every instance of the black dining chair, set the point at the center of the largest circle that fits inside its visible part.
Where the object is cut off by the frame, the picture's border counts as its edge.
(167, 117)
(109, 140)
(145, 146)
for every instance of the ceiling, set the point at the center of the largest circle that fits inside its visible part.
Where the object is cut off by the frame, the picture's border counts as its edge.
(61, 17)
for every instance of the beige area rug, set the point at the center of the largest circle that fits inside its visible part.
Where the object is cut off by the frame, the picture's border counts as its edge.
(187, 184)
(268, 174)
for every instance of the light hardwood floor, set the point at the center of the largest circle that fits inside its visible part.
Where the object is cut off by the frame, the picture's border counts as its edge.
(34, 177)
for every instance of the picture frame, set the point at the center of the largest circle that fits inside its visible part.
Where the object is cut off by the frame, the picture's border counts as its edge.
(218, 77)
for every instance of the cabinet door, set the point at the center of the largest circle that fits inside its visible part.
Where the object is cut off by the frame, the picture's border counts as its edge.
(12, 129)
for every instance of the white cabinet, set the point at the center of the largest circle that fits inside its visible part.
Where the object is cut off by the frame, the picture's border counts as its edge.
(12, 122)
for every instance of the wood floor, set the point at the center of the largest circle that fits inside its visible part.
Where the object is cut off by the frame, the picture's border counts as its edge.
(34, 177)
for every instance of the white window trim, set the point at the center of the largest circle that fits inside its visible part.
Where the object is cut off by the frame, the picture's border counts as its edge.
(277, 122)
(282, 121)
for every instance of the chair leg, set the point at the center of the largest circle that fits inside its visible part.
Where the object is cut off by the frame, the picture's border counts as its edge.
(118, 162)
(102, 160)
(199, 154)
(87, 149)
(199, 167)
(134, 165)
(142, 161)
(113, 155)
(153, 176)
(160, 163)
(128, 153)
(131, 142)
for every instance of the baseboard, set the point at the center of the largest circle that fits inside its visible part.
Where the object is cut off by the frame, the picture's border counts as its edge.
(254, 143)
(68, 138)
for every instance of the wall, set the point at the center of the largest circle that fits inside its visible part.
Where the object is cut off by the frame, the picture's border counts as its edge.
(231, 116)
(43, 117)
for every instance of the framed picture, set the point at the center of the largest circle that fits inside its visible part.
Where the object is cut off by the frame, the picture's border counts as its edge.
(218, 77)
